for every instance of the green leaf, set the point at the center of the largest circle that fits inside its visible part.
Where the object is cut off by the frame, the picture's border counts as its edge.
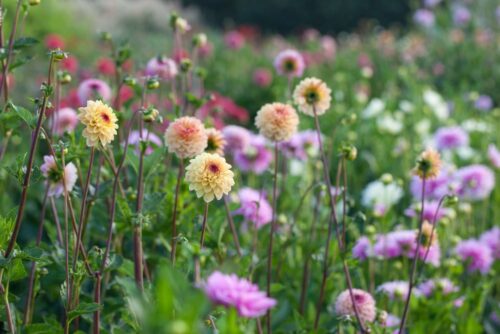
(24, 42)
(83, 308)
(44, 328)
(20, 61)
(23, 113)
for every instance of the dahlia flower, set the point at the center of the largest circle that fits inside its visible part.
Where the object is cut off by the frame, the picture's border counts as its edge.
(277, 121)
(93, 89)
(162, 67)
(424, 18)
(255, 157)
(64, 120)
(430, 210)
(477, 254)
(254, 207)
(443, 285)
(312, 95)
(135, 139)
(237, 138)
(362, 249)
(491, 238)
(365, 305)
(232, 291)
(215, 141)
(381, 196)
(475, 182)
(301, 145)
(428, 164)
(186, 137)
(54, 176)
(448, 138)
(494, 156)
(209, 176)
(396, 290)
(100, 123)
(289, 63)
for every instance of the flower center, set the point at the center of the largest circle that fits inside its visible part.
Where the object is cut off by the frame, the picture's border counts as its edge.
(105, 117)
(312, 96)
(289, 65)
(212, 167)
(359, 299)
(212, 144)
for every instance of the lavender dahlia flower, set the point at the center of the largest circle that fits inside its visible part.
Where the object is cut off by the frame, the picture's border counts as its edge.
(491, 238)
(232, 291)
(237, 138)
(443, 285)
(483, 103)
(448, 138)
(476, 254)
(424, 18)
(475, 182)
(92, 89)
(255, 157)
(301, 146)
(461, 15)
(162, 67)
(254, 207)
(430, 210)
(494, 156)
(362, 249)
(396, 290)
(135, 139)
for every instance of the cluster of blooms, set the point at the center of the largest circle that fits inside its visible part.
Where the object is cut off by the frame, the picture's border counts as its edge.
(397, 244)
(232, 291)
(479, 255)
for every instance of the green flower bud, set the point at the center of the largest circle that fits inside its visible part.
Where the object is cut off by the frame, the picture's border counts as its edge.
(152, 83)
(130, 81)
(185, 65)
(34, 2)
(150, 114)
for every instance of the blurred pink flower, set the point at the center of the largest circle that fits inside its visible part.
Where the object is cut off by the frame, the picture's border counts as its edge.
(222, 108)
(106, 66)
(494, 155)
(70, 64)
(54, 41)
(163, 67)
(255, 157)
(234, 40)
(289, 63)
(237, 138)
(64, 120)
(135, 139)
(232, 291)
(254, 207)
(477, 255)
(262, 77)
(54, 176)
(93, 89)
(365, 305)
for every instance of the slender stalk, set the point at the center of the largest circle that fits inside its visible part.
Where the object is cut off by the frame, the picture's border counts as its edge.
(232, 227)
(332, 221)
(173, 242)
(271, 235)
(10, 320)
(5, 69)
(434, 225)
(204, 226)
(29, 167)
(307, 255)
(66, 253)
(28, 309)
(411, 282)
(97, 300)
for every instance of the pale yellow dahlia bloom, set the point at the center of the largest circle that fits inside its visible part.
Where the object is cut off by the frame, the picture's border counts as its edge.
(186, 137)
(428, 164)
(215, 141)
(100, 123)
(277, 121)
(312, 94)
(210, 176)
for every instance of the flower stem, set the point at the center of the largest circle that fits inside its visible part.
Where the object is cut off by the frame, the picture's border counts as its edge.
(411, 282)
(173, 242)
(232, 227)
(204, 225)
(29, 167)
(332, 221)
(97, 300)
(271, 235)
(10, 320)
(5, 69)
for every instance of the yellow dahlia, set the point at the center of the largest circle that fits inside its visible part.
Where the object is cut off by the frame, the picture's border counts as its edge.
(277, 121)
(209, 175)
(100, 123)
(311, 95)
(215, 141)
(428, 164)
(186, 137)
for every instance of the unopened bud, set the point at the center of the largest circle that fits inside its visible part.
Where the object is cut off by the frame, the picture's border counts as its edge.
(130, 81)
(185, 65)
(200, 40)
(64, 77)
(150, 114)
(58, 55)
(349, 152)
(105, 36)
(152, 83)
(386, 178)
(34, 2)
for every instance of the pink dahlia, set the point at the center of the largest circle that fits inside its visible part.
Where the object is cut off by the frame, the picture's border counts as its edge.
(92, 89)
(476, 254)
(254, 207)
(289, 63)
(162, 67)
(232, 291)
(64, 120)
(365, 305)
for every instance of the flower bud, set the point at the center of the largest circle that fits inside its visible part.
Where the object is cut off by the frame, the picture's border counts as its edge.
(349, 152)
(152, 83)
(386, 178)
(105, 36)
(185, 65)
(371, 230)
(130, 81)
(64, 77)
(451, 200)
(58, 55)
(34, 2)
(382, 317)
(150, 114)
(200, 40)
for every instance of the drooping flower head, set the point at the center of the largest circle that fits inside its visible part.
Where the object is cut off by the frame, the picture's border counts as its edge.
(210, 176)
(255, 157)
(100, 123)
(54, 176)
(277, 121)
(312, 95)
(289, 63)
(254, 207)
(162, 67)
(428, 164)
(93, 89)
(237, 138)
(186, 137)
(448, 138)
(476, 254)
(64, 120)
(232, 291)
(475, 182)
(365, 305)
(215, 141)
